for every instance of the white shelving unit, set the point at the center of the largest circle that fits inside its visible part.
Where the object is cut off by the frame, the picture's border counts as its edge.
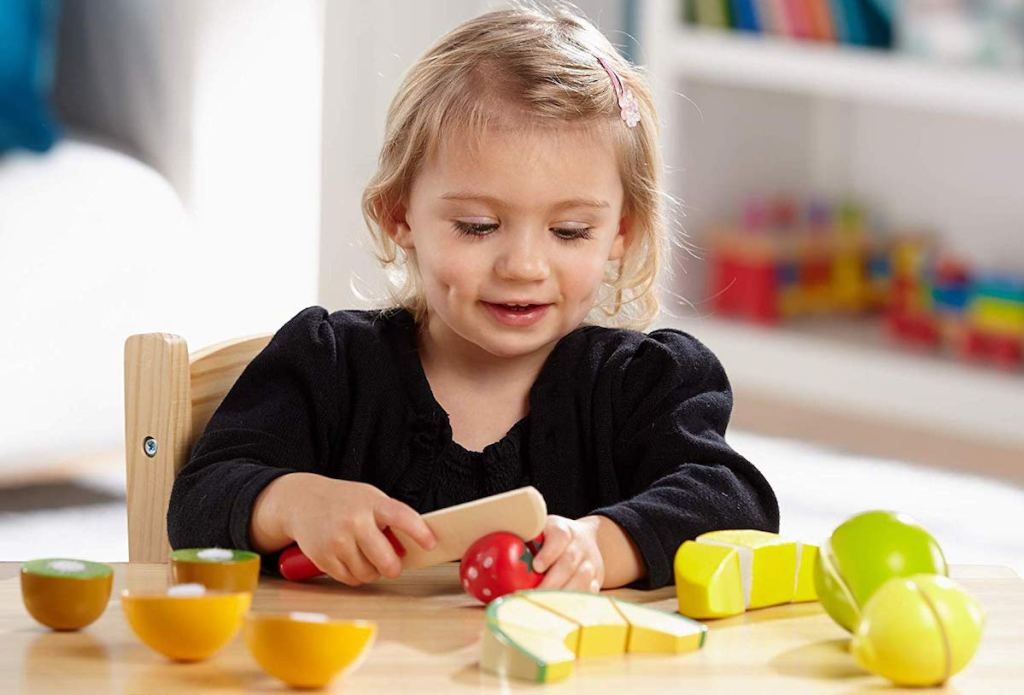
(922, 144)
(844, 73)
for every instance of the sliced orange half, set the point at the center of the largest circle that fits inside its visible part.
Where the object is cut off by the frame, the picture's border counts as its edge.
(187, 622)
(307, 650)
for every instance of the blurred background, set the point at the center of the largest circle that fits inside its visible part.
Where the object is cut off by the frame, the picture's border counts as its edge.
(849, 227)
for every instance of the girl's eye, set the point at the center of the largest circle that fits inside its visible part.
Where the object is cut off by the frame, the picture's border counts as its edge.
(572, 233)
(474, 229)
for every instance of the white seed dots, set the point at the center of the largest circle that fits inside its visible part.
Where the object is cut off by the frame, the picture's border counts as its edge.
(488, 563)
(465, 584)
(67, 566)
(191, 589)
(486, 592)
(472, 573)
(215, 554)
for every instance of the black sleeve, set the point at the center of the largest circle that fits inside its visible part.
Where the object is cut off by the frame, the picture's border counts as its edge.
(279, 417)
(680, 477)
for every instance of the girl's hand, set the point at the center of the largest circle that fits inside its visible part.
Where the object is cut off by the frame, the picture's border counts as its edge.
(570, 555)
(339, 525)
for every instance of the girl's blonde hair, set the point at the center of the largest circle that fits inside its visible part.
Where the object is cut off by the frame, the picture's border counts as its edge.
(524, 67)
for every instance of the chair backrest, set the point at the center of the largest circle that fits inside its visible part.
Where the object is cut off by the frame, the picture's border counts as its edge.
(169, 396)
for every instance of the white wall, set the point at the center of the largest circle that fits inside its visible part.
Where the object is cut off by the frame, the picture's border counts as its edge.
(256, 158)
(224, 100)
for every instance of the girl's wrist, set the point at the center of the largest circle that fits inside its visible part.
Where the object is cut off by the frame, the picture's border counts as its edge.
(270, 526)
(623, 563)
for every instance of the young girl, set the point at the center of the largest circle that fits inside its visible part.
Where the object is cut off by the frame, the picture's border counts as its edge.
(516, 201)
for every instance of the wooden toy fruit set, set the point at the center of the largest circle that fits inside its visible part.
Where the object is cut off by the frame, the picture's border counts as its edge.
(725, 573)
(883, 577)
(193, 620)
(538, 635)
(209, 601)
(880, 576)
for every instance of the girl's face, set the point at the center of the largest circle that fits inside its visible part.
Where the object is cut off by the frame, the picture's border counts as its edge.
(512, 240)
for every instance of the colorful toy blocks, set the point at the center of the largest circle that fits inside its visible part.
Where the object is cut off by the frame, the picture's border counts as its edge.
(782, 262)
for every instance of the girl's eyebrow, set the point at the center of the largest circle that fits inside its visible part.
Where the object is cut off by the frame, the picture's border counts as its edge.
(570, 203)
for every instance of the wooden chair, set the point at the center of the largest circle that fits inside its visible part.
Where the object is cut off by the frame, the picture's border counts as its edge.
(169, 396)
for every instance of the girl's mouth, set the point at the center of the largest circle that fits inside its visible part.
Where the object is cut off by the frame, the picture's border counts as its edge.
(518, 315)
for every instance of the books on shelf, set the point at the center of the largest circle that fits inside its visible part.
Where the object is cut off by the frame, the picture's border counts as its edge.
(963, 32)
(860, 22)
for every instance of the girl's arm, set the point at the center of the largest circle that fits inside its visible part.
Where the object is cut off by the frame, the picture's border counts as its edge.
(277, 419)
(678, 476)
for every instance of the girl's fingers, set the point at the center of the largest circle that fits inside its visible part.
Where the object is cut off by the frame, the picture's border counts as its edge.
(360, 567)
(346, 551)
(584, 578)
(399, 515)
(564, 569)
(336, 570)
(557, 537)
(377, 549)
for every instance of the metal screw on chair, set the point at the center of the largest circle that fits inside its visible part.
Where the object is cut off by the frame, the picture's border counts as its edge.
(150, 446)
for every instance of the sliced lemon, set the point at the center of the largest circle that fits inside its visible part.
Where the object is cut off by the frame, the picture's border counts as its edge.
(725, 573)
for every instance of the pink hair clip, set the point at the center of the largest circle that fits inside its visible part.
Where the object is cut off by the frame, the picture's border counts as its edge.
(629, 109)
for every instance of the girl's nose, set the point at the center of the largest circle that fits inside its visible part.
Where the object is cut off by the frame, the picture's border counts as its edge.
(522, 259)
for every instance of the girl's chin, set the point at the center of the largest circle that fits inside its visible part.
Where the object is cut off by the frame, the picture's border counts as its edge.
(512, 347)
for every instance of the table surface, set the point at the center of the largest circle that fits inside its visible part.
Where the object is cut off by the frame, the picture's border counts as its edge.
(429, 641)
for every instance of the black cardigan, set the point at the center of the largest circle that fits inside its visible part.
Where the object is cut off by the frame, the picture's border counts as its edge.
(621, 423)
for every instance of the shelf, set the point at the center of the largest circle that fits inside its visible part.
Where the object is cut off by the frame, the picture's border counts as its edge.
(770, 62)
(850, 366)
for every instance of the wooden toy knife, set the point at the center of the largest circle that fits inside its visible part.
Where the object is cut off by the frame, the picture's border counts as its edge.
(522, 512)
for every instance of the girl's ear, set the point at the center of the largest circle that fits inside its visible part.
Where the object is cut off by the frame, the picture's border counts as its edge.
(396, 226)
(621, 240)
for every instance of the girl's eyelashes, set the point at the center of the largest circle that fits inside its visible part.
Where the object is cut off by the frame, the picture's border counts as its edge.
(573, 233)
(478, 230)
(474, 229)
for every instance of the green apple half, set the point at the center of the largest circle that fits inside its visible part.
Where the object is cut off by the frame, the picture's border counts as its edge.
(863, 553)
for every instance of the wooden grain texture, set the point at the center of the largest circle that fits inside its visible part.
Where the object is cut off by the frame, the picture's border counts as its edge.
(156, 405)
(429, 641)
(169, 395)
(213, 371)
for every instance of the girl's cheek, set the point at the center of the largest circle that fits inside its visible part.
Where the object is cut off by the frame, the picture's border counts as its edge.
(459, 271)
(588, 271)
